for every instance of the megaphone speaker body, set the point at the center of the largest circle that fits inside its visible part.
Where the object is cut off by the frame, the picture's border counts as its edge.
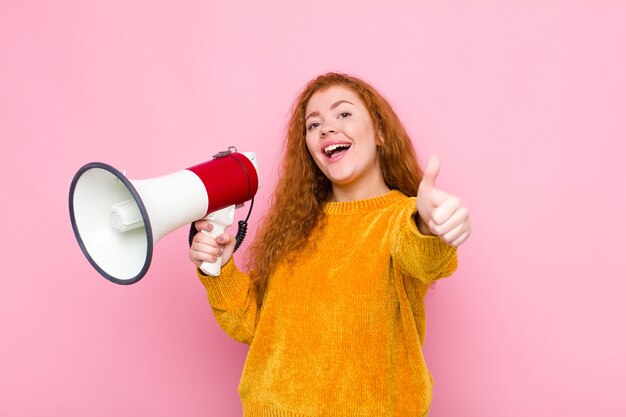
(117, 221)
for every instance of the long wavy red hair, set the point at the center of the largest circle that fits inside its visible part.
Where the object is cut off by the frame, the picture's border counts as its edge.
(302, 190)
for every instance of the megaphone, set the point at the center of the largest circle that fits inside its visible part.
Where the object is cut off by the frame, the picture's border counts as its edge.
(117, 221)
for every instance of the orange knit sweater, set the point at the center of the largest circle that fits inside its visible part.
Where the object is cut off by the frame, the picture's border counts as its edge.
(341, 328)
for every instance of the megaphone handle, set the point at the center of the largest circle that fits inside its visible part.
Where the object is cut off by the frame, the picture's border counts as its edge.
(220, 220)
(213, 268)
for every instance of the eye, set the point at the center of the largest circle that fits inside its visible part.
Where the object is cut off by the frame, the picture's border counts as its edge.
(345, 114)
(313, 126)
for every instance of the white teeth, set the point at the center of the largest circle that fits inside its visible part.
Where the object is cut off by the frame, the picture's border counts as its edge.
(329, 149)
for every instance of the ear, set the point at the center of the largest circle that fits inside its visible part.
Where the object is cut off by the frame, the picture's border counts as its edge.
(380, 139)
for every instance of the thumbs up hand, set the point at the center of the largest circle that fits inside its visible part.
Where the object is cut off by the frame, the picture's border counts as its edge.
(441, 214)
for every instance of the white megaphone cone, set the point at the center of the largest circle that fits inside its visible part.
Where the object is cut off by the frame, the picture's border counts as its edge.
(117, 221)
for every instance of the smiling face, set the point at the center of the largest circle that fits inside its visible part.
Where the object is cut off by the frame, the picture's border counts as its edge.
(342, 139)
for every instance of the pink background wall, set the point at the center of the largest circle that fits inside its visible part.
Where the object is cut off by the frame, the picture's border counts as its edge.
(524, 102)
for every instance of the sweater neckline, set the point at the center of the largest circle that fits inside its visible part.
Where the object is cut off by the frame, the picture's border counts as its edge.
(363, 206)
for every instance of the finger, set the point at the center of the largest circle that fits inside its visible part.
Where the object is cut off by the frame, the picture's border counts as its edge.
(461, 239)
(203, 225)
(454, 234)
(225, 239)
(205, 238)
(460, 216)
(447, 207)
(431, 171)
(209, 249)
(199, 257)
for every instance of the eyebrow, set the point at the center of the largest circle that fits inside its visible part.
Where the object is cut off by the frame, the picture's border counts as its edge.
(316, 113)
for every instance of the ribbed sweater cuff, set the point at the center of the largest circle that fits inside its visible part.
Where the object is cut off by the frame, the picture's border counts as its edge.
(424, 257)
(432, 247)
(227, 289)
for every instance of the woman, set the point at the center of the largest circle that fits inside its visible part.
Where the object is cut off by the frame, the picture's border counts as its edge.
(333, 307)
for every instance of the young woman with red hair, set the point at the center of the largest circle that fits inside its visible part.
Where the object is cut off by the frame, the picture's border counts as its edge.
(333, 306)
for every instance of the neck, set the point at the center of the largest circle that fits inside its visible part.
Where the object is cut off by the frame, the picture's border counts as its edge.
(359, 191)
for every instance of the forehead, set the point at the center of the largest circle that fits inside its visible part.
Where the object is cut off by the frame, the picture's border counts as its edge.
(323, 99)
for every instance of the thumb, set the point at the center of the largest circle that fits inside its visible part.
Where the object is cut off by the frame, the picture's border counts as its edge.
(431, 171)
(224, 239)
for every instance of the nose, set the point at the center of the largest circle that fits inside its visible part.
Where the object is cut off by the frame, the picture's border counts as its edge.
(327, 130)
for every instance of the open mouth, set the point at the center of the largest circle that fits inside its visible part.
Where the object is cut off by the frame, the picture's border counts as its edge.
(335, 149)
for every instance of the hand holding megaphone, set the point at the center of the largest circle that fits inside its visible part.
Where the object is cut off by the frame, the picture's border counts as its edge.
(211, 248)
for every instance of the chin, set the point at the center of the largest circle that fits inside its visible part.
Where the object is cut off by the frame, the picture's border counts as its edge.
(340, 178)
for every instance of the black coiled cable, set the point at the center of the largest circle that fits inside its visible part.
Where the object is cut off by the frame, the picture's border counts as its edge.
(242, 228)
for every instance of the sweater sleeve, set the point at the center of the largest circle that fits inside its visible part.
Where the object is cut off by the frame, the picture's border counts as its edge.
(426, 258)
(233, 302)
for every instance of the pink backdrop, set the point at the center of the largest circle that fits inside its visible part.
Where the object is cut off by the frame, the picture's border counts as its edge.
(524, 103)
